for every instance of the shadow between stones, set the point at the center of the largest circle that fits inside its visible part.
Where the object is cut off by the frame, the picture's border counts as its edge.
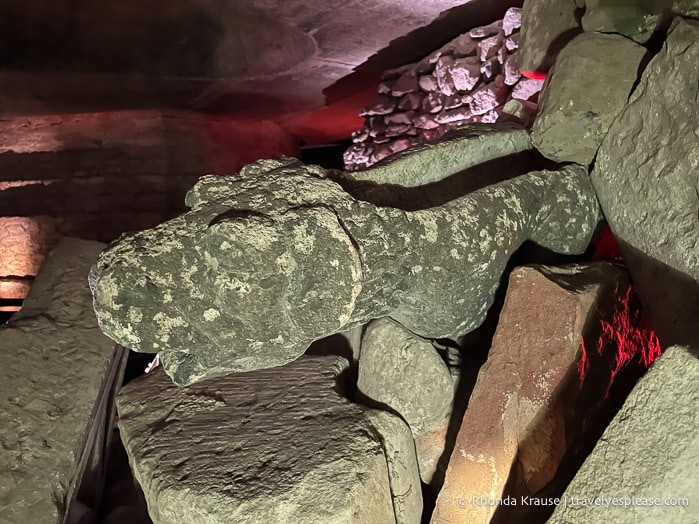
(450, 188)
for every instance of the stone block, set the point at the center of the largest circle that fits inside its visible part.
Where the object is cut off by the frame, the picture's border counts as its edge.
(291, 449)
(649, 451)
(547, 26)
(518, 426)
(645, 179)
(405, 373)
(54, 364)
(577, 105)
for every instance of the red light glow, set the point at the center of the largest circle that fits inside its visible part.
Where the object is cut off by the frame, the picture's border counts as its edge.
(630, 332)
(534, 75)
(626, 331)
(606, 247)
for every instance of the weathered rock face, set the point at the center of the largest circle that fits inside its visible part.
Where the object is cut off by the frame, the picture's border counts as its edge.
(404, 372)
(547, 26)
(583, 94)
(279, 256)
(635, 20)
(650, 449)
(517, 418)
(53, 360)
(291, 450)
(645, 178)
(198, 40)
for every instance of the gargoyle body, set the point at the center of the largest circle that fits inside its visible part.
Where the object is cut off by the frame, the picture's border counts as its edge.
(278, 256)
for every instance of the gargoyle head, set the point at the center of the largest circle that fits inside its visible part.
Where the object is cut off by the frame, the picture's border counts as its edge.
(259, 268)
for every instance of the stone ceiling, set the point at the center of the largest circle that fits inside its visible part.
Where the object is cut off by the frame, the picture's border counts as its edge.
(307, 64)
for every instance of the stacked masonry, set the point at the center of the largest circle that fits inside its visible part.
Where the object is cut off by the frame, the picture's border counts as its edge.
(474, 78)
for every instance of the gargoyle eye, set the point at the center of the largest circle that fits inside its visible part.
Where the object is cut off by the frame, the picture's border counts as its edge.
(237, 214)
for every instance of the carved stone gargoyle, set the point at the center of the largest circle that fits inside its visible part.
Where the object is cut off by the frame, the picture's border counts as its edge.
(278, 256)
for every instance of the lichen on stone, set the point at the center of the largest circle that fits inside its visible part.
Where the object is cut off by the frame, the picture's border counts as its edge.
(268, 261)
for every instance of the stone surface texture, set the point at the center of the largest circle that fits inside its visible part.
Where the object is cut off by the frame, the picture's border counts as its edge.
(468, 146)
(53, 359)
(526, 88)
(635, 20)
(524, 111)
(476, 73)
(645, 177)
(517, 418)
(576, 105)
(547, 25)
(404, 372)
(650, 449)
(280, 255)
(512, 21)
(24, 242)
(290, 449)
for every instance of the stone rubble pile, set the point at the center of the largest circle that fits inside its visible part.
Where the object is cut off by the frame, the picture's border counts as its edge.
(473, 78)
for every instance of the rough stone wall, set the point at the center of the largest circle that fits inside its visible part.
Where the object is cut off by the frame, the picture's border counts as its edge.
(23, 243)
(473, 78)
(96, 176)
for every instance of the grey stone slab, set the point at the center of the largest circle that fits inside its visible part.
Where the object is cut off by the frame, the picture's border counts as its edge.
(432, 103)
(274, 445)
(53, 362)
(381, 105)
(405, 373)
(488, 97)
(577, 105)
(486, 30)
(511, 70)
(470, 146)
(465, 73)
(635, 20)
(512, 20)
(428, 83)
(526, 88)
(547, 25)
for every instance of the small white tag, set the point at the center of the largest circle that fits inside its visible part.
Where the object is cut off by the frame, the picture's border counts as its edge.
(153, 364)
